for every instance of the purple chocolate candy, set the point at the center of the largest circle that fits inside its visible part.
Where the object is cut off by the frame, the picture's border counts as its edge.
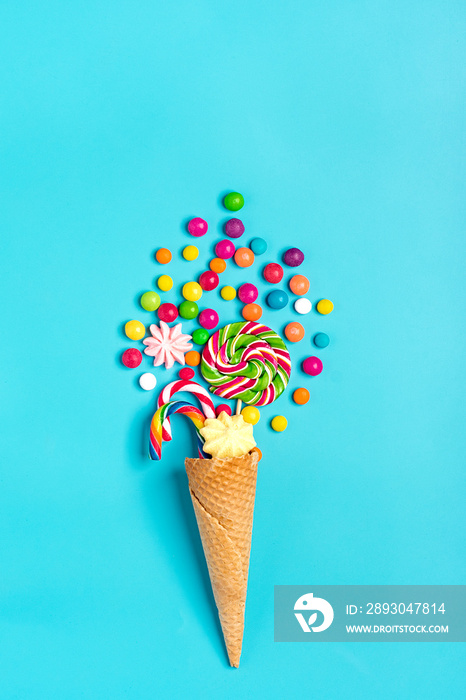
(293, 257)
(234, 228)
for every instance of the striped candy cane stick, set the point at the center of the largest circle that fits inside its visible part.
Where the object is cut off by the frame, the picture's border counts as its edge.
(164, 412)
(197, 390)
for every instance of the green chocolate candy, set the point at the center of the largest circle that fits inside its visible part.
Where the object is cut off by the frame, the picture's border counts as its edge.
(200, 336)
(234, 201)
(188, 309)
(150, 301)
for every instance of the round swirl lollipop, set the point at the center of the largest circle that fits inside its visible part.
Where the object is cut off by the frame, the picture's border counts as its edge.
(246, 361)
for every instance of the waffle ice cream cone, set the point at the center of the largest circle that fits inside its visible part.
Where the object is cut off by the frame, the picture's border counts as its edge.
(223, 493)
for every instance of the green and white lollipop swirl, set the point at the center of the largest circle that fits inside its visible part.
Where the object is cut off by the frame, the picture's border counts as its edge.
(246, 361)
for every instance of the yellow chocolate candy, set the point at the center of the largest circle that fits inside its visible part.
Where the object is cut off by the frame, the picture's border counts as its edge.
(165, 283)
(190, 252)
(324, 306)
(279, 423)
(228, 293)
(251, 414)
(135, 330)
(192, 291)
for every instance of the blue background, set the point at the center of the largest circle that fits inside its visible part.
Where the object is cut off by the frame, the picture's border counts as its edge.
(343, 126)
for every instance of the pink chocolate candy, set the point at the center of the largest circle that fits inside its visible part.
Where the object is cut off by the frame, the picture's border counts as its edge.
(225, 249)
(312, 366)
(248, 293)
(197, 227)
(208, 318)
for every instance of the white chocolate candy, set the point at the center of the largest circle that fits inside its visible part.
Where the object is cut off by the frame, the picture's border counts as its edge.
(147, 381)
(303, 305)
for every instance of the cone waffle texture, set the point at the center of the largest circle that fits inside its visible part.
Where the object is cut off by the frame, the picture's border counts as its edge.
(223, 493)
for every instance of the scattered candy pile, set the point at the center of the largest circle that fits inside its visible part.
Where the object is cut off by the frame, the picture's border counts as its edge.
(244, 360)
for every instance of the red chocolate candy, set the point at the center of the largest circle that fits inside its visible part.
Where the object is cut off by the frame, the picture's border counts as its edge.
(273, 273)
(167, 312)
(131, 358)
(208, 280)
